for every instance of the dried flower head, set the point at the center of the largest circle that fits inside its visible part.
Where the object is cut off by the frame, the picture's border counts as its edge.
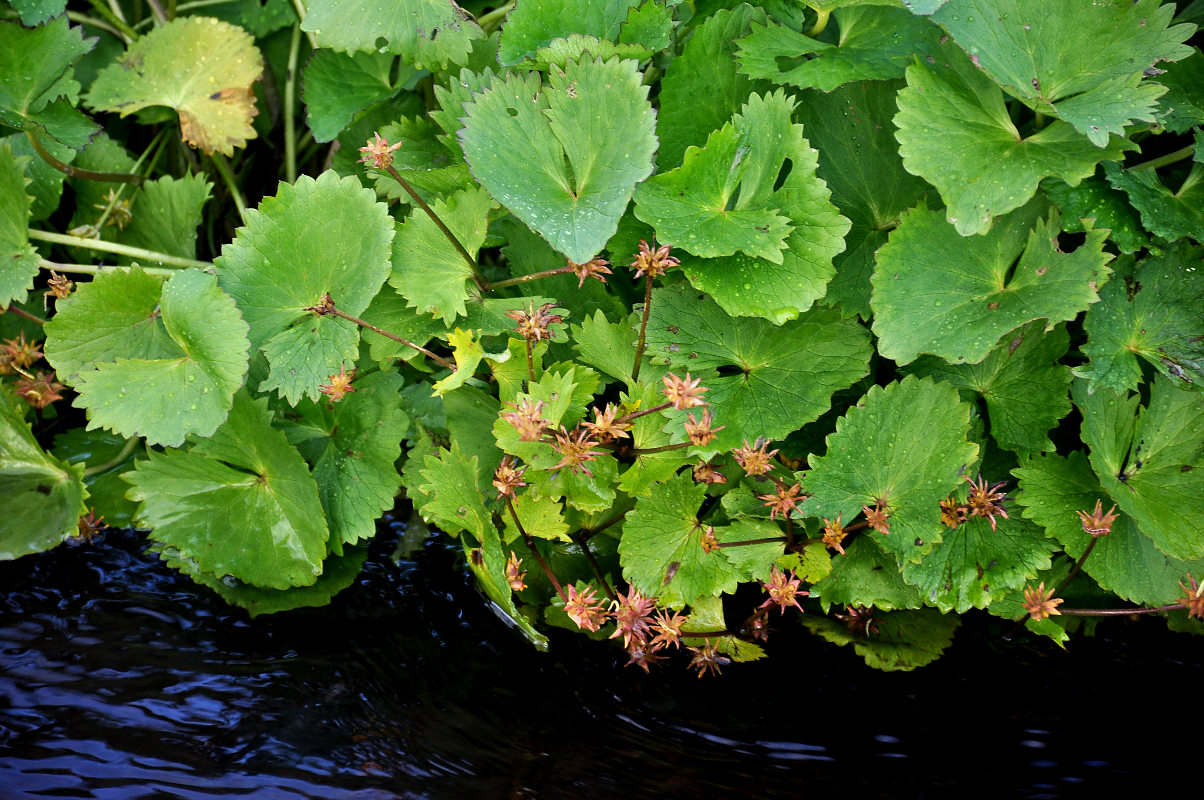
(604, 428)
(508, 477)
(515, 574)
(834, 534)
(594, 268)
(1040, 603)
(16, 355)
(527, 419)
(633, 617)
(1193, 597)
(575, 448)
(118, 209)
(700, 431)
(378, 153)
(784, 590)
(90, 525)
(784, 500)
(876, 517)
(709, 541)
(59, 286)
(685, 392)
(41, 390)
(339, 386)
(707, 659)
(705, 472)
(644, 657)
(755, 460)
(653, 263)
(860, 621)
(666, 629)
(953, 513)
(585, 608)
(1097, 523)
(985, 500)
(533, 323)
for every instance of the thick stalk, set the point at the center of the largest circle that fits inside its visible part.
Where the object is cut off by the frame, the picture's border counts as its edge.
(1162, 161)
(639, 345)
(491, 21)
(84, 19)
(157, 11)
(637, 414)
(821, 22)
(1117, 612)
(92, 269)
(290, 102)
(451, 237)
(20, 312)
(766, 540)
(223, 169)
(118, 249)
(76, 172)
(118, 22)
(126, 449)
(299, 7)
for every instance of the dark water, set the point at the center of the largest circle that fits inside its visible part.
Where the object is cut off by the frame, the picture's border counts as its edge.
(120, 679)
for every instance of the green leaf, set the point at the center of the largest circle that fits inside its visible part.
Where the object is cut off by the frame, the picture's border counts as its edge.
(470, 415)
(704, 88)
(260, 18)
(589, 493)
(35, 12)
(563, 158)
(955, 132)
(352, 447)
(241, 503)
(661, 550)
(46, 182)
(777, 378)
(41, 497)
(103, 154)
(536, 23)
(18, 257)
(427, 269)
(858, 159)
(1026, 389)
(903, 447)
(875, 43)
(1152, 466)
(905, 639)
(1090, 78)
(1153, 314)
(165, 215)
(452, 97)
(648, 433)
(37, 87)
(577, 47)
(106, 490)
(468, 353)
(1105, 207)
(311, 239)
(753, 562)
(199, 66)
(427, 33)
(337, 86)
(649, 24)
(453, 501)
(187, 387)
(938, 292)
(1171, 215)
(542, 518)
(609, 346)
(488, 563)
(1126, 561)
(866, 576)
(1182, 107)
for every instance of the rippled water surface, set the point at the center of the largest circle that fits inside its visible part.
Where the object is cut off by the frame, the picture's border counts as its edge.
(120, 679)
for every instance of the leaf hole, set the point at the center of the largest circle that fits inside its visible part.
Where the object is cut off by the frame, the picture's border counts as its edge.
(512, 111)
(790, 63)
(783, 174)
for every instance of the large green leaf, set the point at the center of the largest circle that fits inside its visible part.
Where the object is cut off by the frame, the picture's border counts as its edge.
(1151, 465)
(1053, 488)
(564, 158)
(41, 498)
(875, 43)
(199, 66)
(955, 132)
(904, 448)
(535, 23)
(1101, 206)
(1152, 314)
(18, 258)
(1079, 59)
(35, 12)
(765, 380)
(313, 238)
(106, 489)
(904, 639)
(453, 500)
(241, 503)
(866, 576)
(1182, 107)
(337, 86)
(938, 292)
(1026, 389)
(37, 85)
(1169, 214)
(427, 33)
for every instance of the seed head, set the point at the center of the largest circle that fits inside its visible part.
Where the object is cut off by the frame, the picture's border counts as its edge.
(515, 574)
(684, 392)
(604, 428)
(594, 268)
(1040, 603)
(784, 500)
(378, 153)
(755, 460)
(339, 386)
(834, 534)
(1193, 597)
(59, 286)
(575, 448)
(860, 621)
(986, 500)
(784, 590)
(653, 263)
(666, 629)
(1097, 523)
(700, 431)
(633, 617)
(707, 659)
(585, 608)
(876, 517)
(953, 513)
(17, 354)
(705, 472)
(527, 419)
(533, 323)
(508, 477)
(40, 390)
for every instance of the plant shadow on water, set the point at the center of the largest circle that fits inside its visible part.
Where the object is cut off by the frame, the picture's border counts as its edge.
(120, 678)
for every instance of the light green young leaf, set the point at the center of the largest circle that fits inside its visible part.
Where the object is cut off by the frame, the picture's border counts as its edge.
(955, 132)
(938, 292)
(468, 353)
(577, 47)
(186, 387)
(199, 66)
(542, 518)
(563, 158)
(904, 448)
(41, 497)
(241, 503)
(313, 238)
(37, 85)
(778, 378)
(1153, 314)
(536, 23)
(1151, 465)
(459, 89)
(427, 269)
(875, 43)
(650, 24)
(661, 550)
(1026, 389)
(1053, 489)
(336, 86)
(1171, 215)
(427, 33)
(18, 258)
(453, 501)
(1080, 60)
(165, 215)
(905, 639)
(866, 576)
(352, 447)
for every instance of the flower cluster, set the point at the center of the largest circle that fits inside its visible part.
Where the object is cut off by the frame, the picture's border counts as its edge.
(533, 323)
(653, 263)
(983, 500)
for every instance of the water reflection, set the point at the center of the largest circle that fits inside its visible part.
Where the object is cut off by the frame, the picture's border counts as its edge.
(119, 679)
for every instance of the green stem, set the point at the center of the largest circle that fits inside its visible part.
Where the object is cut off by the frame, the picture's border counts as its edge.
(223, 169)
(440, 360)
(126, 32)
(20, 312)
(451, 237)
(639, 346)
(118, 249)
(534, 551)
(76, 172)
(534, 276)
(490, 22)
(583, 543)
(821, 22)
(299, 7)
(84, 19)
(92, 269)
(128, 448)
(157, 11)
(290, 101)
(1162, 161)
